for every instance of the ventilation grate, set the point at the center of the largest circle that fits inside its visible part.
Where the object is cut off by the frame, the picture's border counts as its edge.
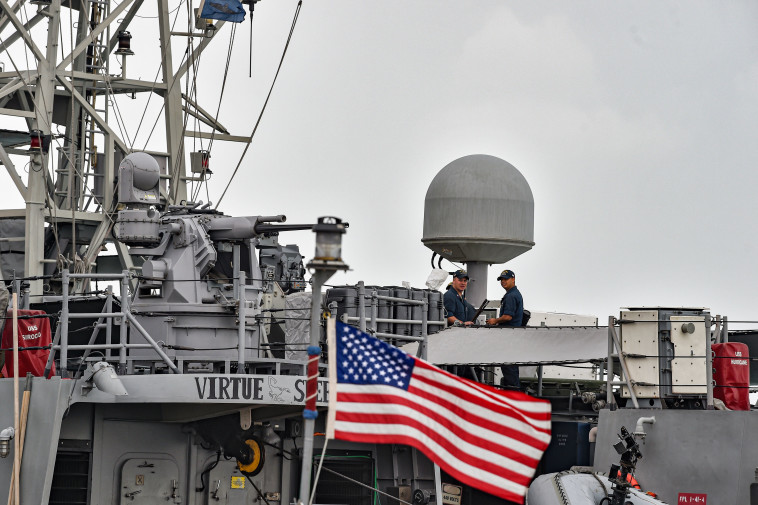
(71, 479)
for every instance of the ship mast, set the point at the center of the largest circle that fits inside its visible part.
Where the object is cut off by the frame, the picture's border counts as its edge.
(75, 140)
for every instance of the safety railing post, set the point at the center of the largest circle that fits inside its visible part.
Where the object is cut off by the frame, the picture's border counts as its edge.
(374, 312)
(362, 306)
(109, 327)
(123, 335)
(609, 365)
(242, 324)
(64, 323)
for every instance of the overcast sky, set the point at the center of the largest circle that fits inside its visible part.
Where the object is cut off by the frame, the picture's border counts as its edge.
(633, 122)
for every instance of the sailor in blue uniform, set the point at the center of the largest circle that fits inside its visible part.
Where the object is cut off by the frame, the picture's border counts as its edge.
(457, 309)
(511, 314)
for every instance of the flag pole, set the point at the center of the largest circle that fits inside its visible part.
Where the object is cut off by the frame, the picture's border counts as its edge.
(16, 480)
(437, 474)
(326, 261)
(310, 413)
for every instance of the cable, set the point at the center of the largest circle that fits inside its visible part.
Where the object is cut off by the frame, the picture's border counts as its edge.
(261, 495)
(265, 103)
(207, 471)
(318, 472)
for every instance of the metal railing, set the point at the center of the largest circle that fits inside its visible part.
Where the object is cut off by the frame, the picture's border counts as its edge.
(105, 320)
(363, 319)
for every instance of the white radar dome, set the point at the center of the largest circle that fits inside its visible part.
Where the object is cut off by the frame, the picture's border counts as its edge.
(479, 208)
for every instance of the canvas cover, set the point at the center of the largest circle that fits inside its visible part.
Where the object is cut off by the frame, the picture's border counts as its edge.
(34, 335)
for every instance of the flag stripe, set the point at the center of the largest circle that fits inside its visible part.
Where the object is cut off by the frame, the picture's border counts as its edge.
(449, 461)
(474, 431)
(494, 399)
(484, 459)
(460, 404)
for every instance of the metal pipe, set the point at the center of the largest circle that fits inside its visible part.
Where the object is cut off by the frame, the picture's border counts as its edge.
(236, 271)
(51, 357)
(112, 277)
(708, 366)
(639, 430)
(92, 338)
(374, 312)
(109, 325)
(241, 329)
(399, 337)
(425, 323)
(92, 315)
(123, 337)
(264, 338)
(64, 324)
(320, 276)
(539, 380)
(152, 343)
(390, 320)
(725, 330)
(362, 306)
(406, 301)
(95, 347)
(609, 367)
(16, 443)
(624, 368)
(715, 337)
(476, 292)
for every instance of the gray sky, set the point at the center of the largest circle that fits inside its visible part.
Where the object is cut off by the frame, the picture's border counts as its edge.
(633, 122)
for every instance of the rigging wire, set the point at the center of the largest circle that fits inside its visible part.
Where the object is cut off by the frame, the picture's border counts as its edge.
(156, 17)
(218, 107)
(223, 82)
(318, 472)
(265, 103)
(150, 95)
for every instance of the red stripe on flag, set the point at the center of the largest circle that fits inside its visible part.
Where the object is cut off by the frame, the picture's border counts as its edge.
(529, 434)
(485, 486)
(449, 444)
(445, 420)
(501, 402)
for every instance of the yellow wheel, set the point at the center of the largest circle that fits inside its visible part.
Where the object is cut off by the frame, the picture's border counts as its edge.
(256, 463)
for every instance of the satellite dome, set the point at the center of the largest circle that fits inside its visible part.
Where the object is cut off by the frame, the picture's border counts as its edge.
(145, 170)
(479, 208)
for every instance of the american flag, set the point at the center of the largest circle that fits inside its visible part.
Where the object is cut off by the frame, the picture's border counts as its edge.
(484, 437)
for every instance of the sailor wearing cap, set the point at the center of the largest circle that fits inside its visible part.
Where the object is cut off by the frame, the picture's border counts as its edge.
(512, 304)
(511, 314)
(457, 309)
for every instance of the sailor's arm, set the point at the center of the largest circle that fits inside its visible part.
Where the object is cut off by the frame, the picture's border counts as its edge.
(499, 320)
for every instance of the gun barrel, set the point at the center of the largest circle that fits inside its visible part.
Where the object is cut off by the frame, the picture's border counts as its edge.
(268, 228)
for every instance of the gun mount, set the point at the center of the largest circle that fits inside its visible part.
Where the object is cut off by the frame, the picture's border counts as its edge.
(201, 272)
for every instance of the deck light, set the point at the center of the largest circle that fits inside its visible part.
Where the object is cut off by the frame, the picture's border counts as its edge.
(124, 43)
(329, 232)
(5, 441)
(39, 141)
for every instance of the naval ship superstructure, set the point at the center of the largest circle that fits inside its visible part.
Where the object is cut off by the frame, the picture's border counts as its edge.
(183, 379)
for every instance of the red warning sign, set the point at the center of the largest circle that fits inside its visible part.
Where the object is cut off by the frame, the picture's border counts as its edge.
(691, 498)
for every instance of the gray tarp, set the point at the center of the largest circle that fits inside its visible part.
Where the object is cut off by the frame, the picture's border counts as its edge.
(297, 325)
(525, 346)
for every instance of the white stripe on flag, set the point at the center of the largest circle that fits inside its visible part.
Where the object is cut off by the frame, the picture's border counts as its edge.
(473, 388)
(466, 425)
(439, 451)
(434, 426)
(525, 424)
